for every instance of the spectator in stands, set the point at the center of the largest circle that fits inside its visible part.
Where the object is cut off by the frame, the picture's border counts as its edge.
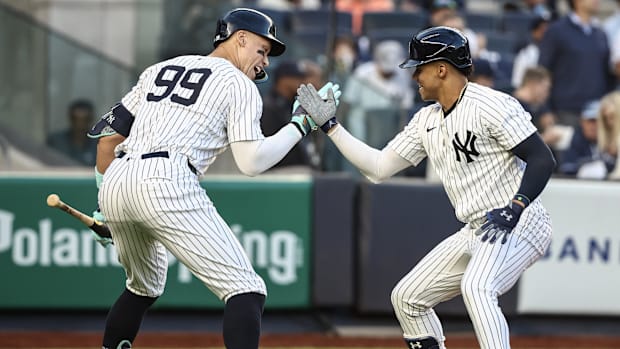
(344, 57)
(575, 50)
(379, 88)
(430, 5)
(537, 8)
(313, 72)
(533, 94)
(410, 6)
(611, 25)
(454, 20)
(357, 8)
(483, 73)
(609, 132)
(583, 159)
(528, 56)
(289, 5)
(288, 75)
(613, 35)
(73, 141)
(439, 10)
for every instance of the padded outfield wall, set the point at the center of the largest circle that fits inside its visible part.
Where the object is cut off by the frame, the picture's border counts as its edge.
(327, 241)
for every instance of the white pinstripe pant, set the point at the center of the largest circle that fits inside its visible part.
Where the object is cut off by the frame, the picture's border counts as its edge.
(463, 264)
(157, 204)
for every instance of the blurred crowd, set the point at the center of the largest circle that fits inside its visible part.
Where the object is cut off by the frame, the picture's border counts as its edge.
(563, 66)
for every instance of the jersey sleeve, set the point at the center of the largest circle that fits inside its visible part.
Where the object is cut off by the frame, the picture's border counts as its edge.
(244, 112)
(512, 126)
(408, 143)
(131, 101)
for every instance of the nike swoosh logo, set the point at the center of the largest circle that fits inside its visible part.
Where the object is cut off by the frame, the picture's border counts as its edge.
(429, 129)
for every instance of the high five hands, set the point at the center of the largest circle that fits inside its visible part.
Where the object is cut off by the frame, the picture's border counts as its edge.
(320, 105)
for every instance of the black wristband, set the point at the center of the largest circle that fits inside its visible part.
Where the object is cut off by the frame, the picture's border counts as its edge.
(522, 199)
(329, 124)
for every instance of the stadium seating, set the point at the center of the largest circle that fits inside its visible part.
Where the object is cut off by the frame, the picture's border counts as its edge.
(311, 42)
(311, 20)
(408, 21)
(517, 23)
(280, 18)
(503, 43)
(401, 35)
(481, 22)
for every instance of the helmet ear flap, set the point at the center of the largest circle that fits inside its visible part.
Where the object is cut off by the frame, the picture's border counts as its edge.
(221, 31)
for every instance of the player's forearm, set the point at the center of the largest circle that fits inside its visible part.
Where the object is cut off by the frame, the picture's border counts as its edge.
(255, 157)
(540, 164)
(376, 165)
(105, 150)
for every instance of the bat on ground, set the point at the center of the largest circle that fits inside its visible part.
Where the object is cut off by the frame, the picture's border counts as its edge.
(53, 200)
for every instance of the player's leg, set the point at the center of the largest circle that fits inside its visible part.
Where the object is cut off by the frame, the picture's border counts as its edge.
(436, 278)
(145, 263)
(204, 243)
(144, 260)
(192, 230)
(492, 271)
(242, 315)
(124, 320)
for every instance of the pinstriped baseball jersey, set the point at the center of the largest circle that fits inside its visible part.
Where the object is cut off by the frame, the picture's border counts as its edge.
(192, 105)
(470, 148)
(187, 108)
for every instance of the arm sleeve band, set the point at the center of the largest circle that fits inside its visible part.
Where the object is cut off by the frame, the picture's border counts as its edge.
(117, 120)
(540, 164)
(101, 129)
(376, 165)
(256, 156)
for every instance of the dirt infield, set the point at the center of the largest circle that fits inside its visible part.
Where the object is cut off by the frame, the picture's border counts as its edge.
(48, 340)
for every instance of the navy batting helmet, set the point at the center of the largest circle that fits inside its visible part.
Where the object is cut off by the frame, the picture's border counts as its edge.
(438, 43)
(252, 21)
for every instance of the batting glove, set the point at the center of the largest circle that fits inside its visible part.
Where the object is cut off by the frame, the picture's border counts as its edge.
(98, 216)
(501, 221)
(302, 120)
(321, 105)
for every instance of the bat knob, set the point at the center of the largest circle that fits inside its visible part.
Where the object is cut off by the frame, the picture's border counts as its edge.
(53, 200)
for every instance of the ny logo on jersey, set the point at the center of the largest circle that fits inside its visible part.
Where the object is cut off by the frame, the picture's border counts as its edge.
(468, 148)
(416, 345)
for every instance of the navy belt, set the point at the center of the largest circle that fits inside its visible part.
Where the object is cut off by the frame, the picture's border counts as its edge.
(160, 154)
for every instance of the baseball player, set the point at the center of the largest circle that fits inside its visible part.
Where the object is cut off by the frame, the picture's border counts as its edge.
(493, 165)
(154, 145)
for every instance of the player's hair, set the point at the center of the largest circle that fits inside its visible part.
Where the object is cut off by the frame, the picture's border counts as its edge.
(535, 74)
(467, 71)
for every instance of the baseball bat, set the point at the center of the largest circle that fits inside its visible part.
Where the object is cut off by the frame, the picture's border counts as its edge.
(53, 200)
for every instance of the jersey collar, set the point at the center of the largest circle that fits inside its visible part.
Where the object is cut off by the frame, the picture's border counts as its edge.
(447, 112)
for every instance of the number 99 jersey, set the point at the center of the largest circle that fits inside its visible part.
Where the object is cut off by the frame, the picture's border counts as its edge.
(192, 105)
